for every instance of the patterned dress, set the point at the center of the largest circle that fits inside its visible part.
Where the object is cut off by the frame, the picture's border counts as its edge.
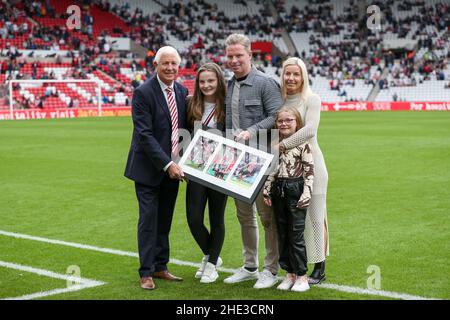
(316, 227)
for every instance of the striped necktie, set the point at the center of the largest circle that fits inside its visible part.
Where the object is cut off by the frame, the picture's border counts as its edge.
(174, 119)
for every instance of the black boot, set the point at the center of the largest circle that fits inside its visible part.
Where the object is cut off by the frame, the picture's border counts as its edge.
(318, 274)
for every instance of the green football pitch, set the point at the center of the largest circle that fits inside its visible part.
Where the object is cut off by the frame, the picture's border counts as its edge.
(66, 209)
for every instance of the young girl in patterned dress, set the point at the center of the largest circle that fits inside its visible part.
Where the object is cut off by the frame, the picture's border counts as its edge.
(288, 189)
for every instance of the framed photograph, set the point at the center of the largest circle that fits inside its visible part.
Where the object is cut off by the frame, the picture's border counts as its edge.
(225, 165)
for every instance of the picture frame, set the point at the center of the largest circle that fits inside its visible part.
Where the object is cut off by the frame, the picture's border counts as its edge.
(225, 165)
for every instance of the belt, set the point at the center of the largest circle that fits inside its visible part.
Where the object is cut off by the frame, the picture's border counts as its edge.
(290, 179)
(280, 183)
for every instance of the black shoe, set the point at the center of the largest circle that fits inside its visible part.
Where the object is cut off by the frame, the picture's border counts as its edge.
(318, 274)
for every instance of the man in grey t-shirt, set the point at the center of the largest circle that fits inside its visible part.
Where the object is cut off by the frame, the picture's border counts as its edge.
(252, 100)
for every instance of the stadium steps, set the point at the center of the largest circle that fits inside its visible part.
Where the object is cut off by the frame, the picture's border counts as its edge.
(376, 88)
(289, 47)
(70, 90)
(107, 83)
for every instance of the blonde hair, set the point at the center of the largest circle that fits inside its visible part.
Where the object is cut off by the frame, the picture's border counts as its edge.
(305, 90)
(237, 38)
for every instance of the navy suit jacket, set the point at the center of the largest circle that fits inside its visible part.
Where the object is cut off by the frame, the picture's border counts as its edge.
(151, 145)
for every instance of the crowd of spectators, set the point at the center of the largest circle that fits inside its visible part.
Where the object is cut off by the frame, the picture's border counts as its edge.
(432, 31)
(359, 48)
(185, 22)
(342, 62)
(37, 36)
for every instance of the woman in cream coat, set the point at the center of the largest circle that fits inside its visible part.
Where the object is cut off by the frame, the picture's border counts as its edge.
(297, 93)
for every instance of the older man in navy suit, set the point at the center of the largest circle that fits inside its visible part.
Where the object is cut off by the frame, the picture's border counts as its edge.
(158, 111)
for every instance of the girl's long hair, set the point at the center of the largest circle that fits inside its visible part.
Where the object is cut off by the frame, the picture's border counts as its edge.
(196, 105)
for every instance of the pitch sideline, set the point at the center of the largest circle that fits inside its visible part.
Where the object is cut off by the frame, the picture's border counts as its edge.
(82, 283)
(342, 288)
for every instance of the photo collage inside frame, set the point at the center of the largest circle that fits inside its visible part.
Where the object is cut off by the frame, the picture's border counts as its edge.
(225, 165)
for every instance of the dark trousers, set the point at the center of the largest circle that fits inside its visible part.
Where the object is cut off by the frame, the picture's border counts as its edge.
(156, 206)
(210, 242)
(291, 225)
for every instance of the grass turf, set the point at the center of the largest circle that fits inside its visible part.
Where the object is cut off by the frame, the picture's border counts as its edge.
(387, 206)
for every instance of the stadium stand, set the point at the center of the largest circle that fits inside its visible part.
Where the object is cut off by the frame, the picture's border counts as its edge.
(405, 59)
(332, 36)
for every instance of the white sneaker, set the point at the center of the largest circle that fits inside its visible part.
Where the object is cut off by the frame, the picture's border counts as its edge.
(209, 274)
(200, 270)
(242, 275)
(219, 262)
(288, 282)
(266, 280)
(205, 259)
(301, 284)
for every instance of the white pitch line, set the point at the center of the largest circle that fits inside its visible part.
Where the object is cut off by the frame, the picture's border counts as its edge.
(68, 244)
(83, 283)
(373, 292)
(342, 288)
